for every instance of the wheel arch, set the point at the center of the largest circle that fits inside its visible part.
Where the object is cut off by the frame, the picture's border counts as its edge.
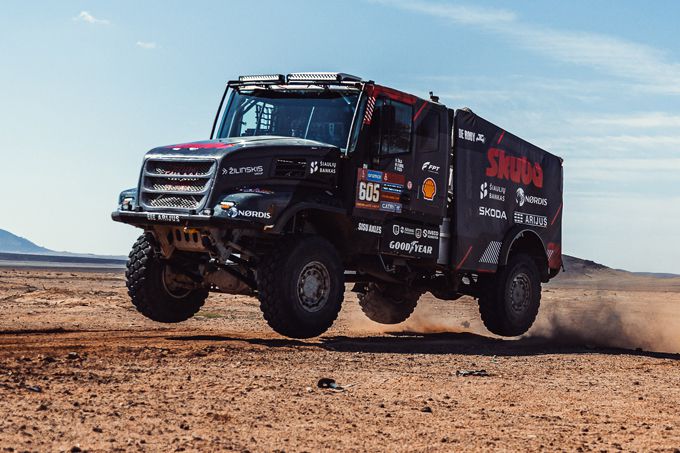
(329, 222)
(525, 241)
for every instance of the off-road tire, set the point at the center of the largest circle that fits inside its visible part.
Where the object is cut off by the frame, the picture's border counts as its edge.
(388, 304)
(144, 275)
(280, 278)
(509, 303)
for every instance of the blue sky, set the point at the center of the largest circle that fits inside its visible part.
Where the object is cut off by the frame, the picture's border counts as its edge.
(87, 87)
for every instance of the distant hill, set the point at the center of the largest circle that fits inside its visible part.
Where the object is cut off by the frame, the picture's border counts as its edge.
(589, 274)
(11, 243)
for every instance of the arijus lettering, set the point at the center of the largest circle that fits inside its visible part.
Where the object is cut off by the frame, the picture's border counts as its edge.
(516, 169)
(369, 228)
(411, 248)
(491, 191)
(471, 136)
(522, 198)
(254, 171)
(160, 217)
(493, 213)
(323, 167)
(523, 218)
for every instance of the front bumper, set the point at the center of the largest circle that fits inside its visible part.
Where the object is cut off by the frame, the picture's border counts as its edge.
(150, 219)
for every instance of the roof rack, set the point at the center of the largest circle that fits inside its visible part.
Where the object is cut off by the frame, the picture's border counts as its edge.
(297, 77)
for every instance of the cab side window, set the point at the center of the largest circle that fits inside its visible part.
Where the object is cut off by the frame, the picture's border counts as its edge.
(392, 127)
(427, 132)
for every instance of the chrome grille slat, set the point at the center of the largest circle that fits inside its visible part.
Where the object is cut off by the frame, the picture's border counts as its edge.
(176, 184)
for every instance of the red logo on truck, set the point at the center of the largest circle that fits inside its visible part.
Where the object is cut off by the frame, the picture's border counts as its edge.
(516, 169)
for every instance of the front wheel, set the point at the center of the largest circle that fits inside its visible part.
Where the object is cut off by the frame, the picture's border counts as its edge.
(156, 289)
(301, 286)
(509, 303)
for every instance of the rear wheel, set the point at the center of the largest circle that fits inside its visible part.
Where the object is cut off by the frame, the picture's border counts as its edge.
(510, 301)
(157, 290)
(301, 287)
(388, 304)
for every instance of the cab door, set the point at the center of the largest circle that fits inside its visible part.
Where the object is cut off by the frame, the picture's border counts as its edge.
(401, 181)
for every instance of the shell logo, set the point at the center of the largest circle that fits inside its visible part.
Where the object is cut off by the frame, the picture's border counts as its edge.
(429, 189)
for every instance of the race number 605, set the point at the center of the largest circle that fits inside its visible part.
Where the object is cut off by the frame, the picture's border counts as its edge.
(369, 191)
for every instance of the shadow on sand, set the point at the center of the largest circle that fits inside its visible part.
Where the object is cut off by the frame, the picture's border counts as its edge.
(434, 343)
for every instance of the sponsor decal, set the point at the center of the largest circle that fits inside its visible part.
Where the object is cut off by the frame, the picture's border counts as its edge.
(493, 213)
(430, 234)
(379, 191)
(429, 189)
(390, 207)
(398, 165)
(521, 198)
(160, 217)
(255, 190)
(427, 166)
(413, 247)
(491, 191)
(325, 167)
(471, 136)
(401, 229)
(373, 175)
(255, 214)
(369, 228)
(234, 212)
(405, 239)
(516, 169)
(523, 218)
(255, 171)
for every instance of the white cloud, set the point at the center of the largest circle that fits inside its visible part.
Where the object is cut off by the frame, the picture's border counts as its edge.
(648, 66)
(645, 120)
(148, 45)
(85, 16)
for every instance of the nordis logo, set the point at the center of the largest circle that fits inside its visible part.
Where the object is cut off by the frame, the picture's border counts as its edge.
(515, 169)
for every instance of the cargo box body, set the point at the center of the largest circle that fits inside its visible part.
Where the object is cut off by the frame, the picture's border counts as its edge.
(503, 187)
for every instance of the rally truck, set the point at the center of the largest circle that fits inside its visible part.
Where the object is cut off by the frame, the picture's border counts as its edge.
(313, 181)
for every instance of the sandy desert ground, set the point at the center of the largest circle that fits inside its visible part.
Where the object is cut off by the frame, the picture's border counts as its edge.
(80, 370)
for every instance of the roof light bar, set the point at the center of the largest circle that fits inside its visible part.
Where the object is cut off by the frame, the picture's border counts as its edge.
(322, 77)
(263, 78)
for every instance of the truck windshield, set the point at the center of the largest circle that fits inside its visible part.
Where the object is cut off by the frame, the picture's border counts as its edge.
(321, 115)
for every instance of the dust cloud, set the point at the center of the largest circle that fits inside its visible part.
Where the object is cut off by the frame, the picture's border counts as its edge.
(426, 319)
(625, 319)
(629, 320)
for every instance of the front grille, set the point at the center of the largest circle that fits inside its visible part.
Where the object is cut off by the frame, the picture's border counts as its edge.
(176, 184)
(290, 168)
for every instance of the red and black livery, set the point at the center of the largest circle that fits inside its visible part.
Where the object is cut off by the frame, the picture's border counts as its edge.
(313, 180)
